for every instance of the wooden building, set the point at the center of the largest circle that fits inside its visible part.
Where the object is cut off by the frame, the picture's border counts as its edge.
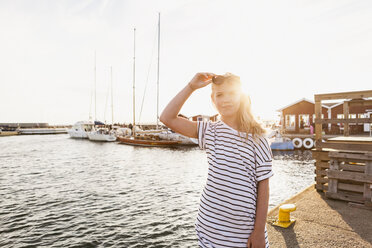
(343, 165)
(355, 111)
(300, 115)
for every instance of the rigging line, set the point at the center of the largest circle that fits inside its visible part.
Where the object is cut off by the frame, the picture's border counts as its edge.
(90, 105)
(147, 79)
(91, 97)
(107, 96)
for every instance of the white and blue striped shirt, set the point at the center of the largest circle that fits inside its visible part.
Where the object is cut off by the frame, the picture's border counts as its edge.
(227, 208)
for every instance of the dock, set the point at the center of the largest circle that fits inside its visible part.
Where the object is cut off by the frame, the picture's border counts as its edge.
(39, 131)
(10, 129)
(322, 222)
(337, 210)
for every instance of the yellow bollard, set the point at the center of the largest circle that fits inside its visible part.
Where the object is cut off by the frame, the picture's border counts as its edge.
(284, 219)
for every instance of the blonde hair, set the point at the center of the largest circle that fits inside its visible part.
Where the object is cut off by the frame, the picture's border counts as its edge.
(245, 119)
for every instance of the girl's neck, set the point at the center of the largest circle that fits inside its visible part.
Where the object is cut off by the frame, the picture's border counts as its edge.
(230, 121)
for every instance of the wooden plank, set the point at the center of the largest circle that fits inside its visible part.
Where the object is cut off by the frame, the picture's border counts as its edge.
(320, 172)
(321, 187)
(368, 169)
(345, 146)
(320, 179)
(321, 165)
(357, 155)
(346, 116)
(323, 150)
(343, 95)
(320, 155)
(351, 187)
(360, 103)
(350, 182)
(352, 139)
(304, 136)
(346, 196)
(354, 176)
(335, 120)
(351, 167)
(367, 194)
(353, 160)
(318, 116)
(332, 183)
(353, 163)
(333, 164)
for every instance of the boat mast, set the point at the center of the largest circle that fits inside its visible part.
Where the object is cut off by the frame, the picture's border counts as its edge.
(90, 103)
(112, 101)
(95, 88)
(134, 80)
(157, 99)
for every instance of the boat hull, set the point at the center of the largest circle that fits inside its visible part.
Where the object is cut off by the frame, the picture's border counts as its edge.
(80, 129)
(186, 141)
(282, 146)
(101, 137)
(150, 143)
(77, 134)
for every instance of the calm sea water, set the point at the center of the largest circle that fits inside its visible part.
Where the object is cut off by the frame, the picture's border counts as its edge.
(62, 192)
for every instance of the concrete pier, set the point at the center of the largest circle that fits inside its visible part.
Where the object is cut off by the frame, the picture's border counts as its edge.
(322, 222)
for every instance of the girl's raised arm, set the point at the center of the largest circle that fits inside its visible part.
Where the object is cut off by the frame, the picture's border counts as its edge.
(169, 116)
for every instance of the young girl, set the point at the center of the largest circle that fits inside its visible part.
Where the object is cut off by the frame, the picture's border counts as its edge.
(234, 203)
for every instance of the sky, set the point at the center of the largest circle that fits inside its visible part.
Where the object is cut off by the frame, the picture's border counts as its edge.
(282, 50)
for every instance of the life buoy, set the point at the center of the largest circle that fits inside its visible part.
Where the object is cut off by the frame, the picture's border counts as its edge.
(297, 142)
(308, 143)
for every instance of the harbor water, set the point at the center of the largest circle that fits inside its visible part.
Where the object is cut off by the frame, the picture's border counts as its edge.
(61, 192)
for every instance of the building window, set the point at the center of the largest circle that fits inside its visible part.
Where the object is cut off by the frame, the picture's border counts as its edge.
(303, 121)
(362, 115)
(340, 116)
(315, 117)
(352, 116)
(290, 121)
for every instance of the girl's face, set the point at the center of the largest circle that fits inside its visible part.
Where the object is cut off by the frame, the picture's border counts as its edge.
(226, 98)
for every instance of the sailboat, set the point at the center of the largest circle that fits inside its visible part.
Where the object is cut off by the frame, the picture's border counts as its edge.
(144, 138)
(81, 129)
(103, 133)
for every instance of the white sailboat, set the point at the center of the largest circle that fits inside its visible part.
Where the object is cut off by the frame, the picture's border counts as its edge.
(184, 140)
(104, 134)
(81, 129)
(143, 138)
(157, 137)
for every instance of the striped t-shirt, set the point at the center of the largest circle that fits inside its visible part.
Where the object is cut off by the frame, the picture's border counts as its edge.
(227, 208)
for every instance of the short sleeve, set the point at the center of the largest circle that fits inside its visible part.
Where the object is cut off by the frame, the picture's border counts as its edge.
(264, 158)
(202, 128)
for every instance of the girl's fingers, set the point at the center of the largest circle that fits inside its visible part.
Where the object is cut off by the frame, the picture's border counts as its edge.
(201, 79)
(207, 76)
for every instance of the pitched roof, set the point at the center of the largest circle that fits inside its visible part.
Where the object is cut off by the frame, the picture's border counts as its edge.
(332, 104)
(298, 101)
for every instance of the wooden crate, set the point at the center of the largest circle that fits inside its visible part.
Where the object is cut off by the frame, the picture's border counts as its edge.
(350, 176)
(321, 166)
